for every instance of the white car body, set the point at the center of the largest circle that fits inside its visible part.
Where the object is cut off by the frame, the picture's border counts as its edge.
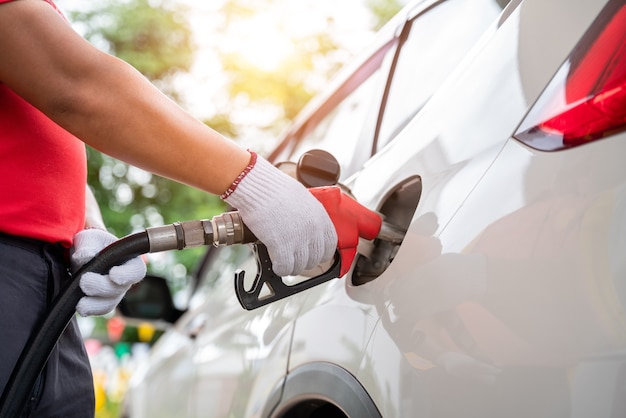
(506, 297)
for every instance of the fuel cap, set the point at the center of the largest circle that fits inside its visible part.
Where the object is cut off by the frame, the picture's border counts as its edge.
(317, 168)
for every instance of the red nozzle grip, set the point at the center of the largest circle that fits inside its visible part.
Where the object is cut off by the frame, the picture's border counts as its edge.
(351, 220)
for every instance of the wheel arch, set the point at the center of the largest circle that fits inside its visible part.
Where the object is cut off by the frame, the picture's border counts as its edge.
(316, 385)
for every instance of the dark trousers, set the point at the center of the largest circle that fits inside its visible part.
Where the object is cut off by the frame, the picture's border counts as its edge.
(31, 275)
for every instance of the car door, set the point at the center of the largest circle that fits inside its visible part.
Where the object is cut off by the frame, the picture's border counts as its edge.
(429, 48)
(463, 333)
(449, 143)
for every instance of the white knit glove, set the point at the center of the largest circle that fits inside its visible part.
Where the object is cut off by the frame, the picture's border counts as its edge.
(103, 291)
(284, 215)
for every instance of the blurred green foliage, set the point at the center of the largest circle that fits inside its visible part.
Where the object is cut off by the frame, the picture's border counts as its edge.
(383, 11)
(152, 35)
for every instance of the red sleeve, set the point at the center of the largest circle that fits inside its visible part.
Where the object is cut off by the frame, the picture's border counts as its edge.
(50, 2)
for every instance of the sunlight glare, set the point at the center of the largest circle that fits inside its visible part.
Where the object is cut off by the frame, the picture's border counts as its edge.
(260, 42)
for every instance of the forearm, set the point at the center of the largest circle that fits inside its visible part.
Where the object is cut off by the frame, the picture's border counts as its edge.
(109, 105)
(127, 118)
(106, 103)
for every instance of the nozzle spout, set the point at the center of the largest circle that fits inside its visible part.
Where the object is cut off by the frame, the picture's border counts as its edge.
(391, 233)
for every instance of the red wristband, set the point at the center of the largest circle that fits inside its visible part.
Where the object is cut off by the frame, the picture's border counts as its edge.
(240, 177)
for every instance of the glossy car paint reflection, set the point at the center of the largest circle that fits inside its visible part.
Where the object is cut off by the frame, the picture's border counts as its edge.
(493, 317)
(506, 297)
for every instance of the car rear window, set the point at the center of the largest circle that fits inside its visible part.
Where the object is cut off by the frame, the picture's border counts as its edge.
(432, 45)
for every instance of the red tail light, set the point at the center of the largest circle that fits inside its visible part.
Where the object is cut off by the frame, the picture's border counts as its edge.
(586, 99)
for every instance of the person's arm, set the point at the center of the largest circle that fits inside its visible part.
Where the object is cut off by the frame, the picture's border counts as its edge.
(107, 103)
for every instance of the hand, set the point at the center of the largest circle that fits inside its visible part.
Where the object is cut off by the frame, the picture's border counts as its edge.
(284, 215)
(103, 291)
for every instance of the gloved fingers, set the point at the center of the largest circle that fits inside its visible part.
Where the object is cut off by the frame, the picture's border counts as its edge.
(325, 247)
(79, 260)
(82, 256)
(91, 305)
(302, 259)
(100, 285)
(281, 266)
(330, 240)
(88, 243)
(295, 254)
(102, 294)
(294, 257)
(306, 251)
(103, 291)
(128, 273)
(284, 259)
(320, 249)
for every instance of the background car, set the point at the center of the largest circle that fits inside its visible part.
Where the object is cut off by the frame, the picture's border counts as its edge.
(493, 133)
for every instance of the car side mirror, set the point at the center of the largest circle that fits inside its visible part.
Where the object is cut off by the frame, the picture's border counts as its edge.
(150, 300)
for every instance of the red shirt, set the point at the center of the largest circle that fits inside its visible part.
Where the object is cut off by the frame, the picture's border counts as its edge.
(47, 1)
(43, 173)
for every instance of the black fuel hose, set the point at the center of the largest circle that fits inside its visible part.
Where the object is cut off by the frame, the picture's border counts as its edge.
(224, 229)
(37, 350)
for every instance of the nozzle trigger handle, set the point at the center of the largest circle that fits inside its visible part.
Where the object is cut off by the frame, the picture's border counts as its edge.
(273, 285)
(351, 220)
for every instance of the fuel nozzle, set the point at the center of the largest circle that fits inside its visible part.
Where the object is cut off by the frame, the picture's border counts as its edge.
(352, 221)
(223, 229)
